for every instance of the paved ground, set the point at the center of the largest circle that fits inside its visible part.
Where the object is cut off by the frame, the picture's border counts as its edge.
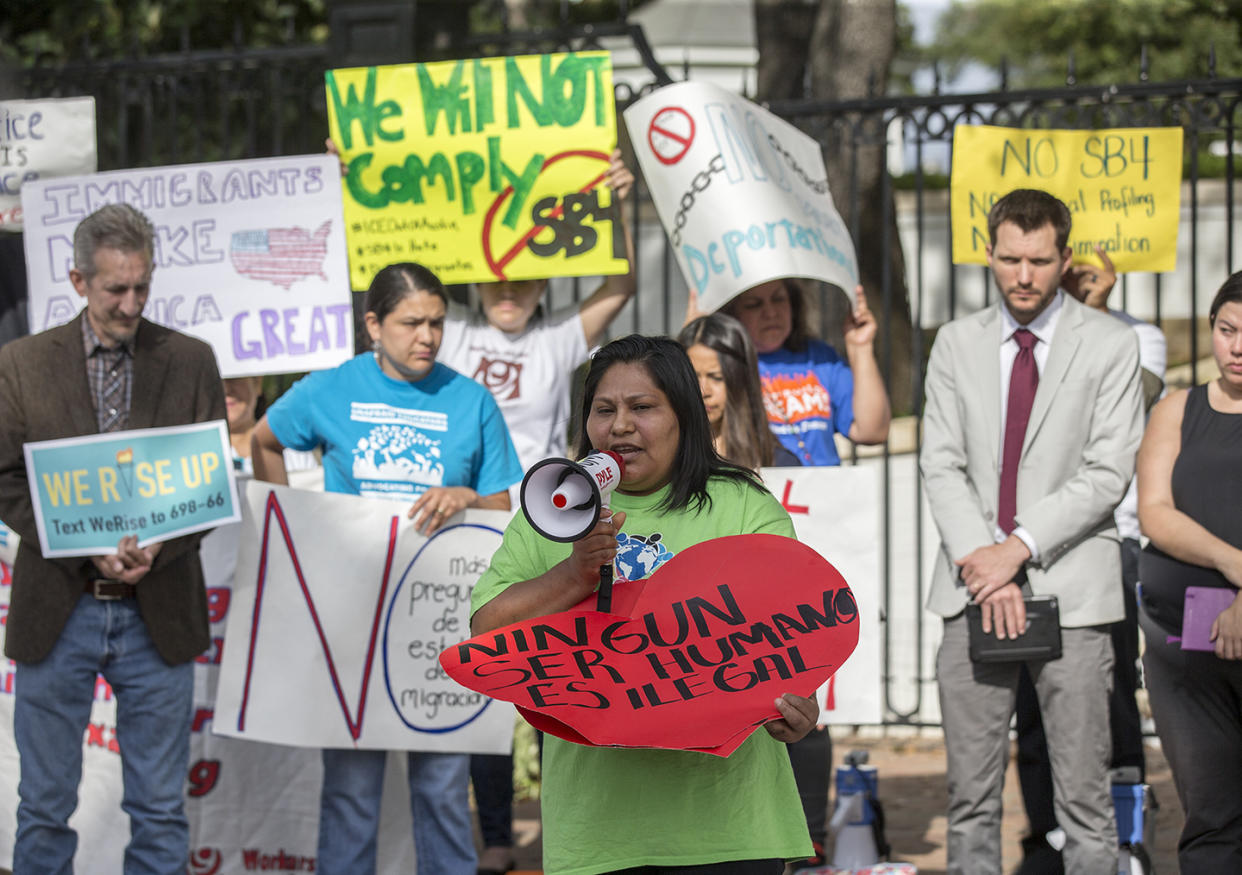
(912, 789)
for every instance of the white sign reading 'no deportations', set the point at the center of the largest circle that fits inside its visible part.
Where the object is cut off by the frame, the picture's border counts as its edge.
(742, 194)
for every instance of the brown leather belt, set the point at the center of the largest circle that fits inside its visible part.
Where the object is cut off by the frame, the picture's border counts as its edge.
(109, 590)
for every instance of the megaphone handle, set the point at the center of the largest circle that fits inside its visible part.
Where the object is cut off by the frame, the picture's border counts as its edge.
(603, 601)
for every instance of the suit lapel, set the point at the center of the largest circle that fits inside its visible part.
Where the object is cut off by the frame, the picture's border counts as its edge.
(1061, 353)
(150, 368)
(985, 365)
(77, 398)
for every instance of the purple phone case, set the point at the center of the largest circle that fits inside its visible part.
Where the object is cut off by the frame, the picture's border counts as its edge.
(1203, 606)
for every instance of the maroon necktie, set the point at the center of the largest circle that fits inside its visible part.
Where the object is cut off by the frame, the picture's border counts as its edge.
(1023, 381)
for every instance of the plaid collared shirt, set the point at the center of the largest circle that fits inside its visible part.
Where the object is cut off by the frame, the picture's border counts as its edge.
(102, 367)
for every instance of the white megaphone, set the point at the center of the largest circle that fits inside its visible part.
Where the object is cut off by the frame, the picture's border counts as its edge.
(563, 499)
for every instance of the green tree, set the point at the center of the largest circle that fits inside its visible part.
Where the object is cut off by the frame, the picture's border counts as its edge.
(39, 31)
(1105, 37)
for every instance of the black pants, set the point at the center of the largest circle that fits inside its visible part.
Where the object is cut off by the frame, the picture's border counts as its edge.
(1034, 770)
(1196, 699)
(811, 759)
(492, 775)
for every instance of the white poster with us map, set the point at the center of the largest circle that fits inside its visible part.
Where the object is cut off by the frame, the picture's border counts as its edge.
(249, 256)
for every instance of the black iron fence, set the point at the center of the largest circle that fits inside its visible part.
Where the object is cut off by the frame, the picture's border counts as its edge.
(917, 131)
(204, 106)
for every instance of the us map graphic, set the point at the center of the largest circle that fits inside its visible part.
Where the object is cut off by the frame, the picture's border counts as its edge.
(280, 256)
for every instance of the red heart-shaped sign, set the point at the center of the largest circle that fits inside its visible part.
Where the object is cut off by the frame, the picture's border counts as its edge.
(691, 658)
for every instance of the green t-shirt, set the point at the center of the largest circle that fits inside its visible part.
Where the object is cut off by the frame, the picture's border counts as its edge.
(614, 808)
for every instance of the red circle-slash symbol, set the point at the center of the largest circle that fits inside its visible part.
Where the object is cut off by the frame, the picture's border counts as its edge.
(670, 134)
(498, 264)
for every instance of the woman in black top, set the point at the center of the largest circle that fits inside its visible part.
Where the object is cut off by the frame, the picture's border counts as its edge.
(1190, 506)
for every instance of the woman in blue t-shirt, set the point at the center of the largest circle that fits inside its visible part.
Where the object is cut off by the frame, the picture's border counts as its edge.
(809, 392)
(395, 424)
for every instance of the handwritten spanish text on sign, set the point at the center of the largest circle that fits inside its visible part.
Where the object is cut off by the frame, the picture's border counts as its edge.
(481, 170)
(742, 193)
(1123, 188)
(41, 139)
(690, 658)
(340, 609)
(156, 483)
(249, 256)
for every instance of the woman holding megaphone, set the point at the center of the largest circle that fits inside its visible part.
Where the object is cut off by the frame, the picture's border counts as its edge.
(614, 809)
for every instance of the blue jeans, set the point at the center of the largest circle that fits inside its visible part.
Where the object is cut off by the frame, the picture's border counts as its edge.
(349, 812)
(51, 709)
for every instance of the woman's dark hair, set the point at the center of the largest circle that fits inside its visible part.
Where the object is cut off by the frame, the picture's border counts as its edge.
(392, 284)
(748, 440)
(666, 363)
(1230, 293)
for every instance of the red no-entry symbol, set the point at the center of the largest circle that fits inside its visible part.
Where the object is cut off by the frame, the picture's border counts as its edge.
(670, 134)
(498, 264)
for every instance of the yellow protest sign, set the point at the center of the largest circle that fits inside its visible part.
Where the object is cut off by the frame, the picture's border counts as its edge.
(1122, 185)
(479, 169)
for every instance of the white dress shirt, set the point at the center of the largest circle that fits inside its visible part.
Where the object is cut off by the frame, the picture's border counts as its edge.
(1042, 326)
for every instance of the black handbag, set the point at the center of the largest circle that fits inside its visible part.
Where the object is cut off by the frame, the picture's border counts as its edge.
(1040, 640)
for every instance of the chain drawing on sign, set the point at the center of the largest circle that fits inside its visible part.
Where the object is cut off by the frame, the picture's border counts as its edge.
(698, 184)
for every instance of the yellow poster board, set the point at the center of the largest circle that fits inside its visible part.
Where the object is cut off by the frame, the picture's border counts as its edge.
(1123, 188)
(481, 169)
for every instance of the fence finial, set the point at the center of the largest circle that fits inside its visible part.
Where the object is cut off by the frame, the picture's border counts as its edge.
(1071, 72)
(1143, 63)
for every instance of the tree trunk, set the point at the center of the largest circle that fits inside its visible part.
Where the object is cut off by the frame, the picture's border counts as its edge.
(783, 38)
(846, 54)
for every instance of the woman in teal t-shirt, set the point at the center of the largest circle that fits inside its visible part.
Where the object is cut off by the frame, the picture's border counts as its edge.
(642, 810)
(395, 424)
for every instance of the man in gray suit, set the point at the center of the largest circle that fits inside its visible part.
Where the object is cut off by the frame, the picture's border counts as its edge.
(138, 617)
(1033, 416)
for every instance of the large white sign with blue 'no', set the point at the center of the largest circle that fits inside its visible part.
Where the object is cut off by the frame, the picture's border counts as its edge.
(742, 194)
(249, 256)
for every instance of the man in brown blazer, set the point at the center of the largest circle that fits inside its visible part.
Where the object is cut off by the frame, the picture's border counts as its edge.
(138, 617)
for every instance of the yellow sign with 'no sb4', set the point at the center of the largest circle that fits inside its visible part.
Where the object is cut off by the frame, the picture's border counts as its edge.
(1122, 185)
(480, 170)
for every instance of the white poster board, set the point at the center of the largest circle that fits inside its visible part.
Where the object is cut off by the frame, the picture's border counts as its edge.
(836, 511)
(251, 806)
(249, 256)
(742, 194)
(340, 610)
(40, 139)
